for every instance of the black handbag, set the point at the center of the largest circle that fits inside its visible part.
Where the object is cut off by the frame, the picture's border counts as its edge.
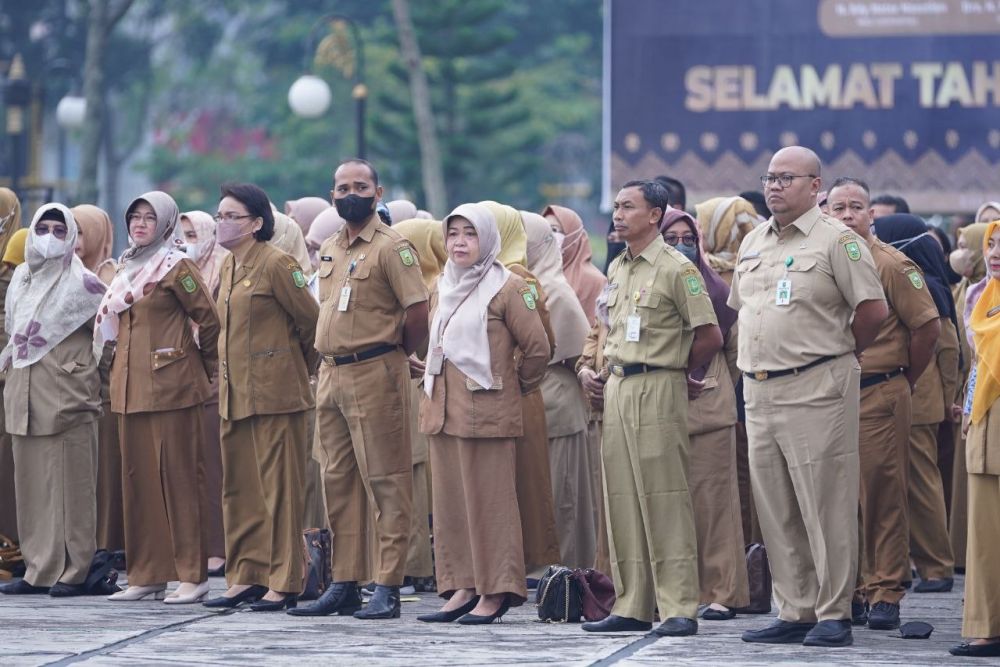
(558, 596)
(316, 561)
(102, 579)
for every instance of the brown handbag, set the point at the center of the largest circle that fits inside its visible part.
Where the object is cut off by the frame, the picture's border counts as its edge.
(597, 593)
(316, 563)
(759, 577)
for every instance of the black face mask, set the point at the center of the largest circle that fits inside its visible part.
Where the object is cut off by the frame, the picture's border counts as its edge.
(354, 209)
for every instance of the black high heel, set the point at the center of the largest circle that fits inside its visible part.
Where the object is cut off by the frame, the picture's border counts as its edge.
(449, 616)
(287, 602)
(251, 594)
(473, 619)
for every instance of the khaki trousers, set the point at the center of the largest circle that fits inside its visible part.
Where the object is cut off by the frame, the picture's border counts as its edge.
(419, 560)
(569, 459)
(654, 559)
(930, 545)
(262, 500)
(884, 448)
(748, 510)
(56, 480)
(602, 557)
(534, 486)
(477, 526)
(163, 495)
(313, 511)
(110, 517)
(715, 497)
(363, 425)
(211, 425)
(958, 519)
(804, 469)
(981, 618)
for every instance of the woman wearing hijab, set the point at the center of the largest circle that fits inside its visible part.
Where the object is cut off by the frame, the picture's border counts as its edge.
(10, 222)
(981, 617)
(95, 240)
(565, 407)
(571, 237)
(712, 479)
(967, 261)
(289, 239)
(267, 354)
(160, 379)
(401, 209)
(481, 314)
(932, 399)
(724, 222)
(304, 211)
(534, 477)
(988, 212)
(52, 402)
(325, 225)
(428, 240)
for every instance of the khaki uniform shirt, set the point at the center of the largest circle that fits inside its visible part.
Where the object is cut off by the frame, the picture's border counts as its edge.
(668, 294)
(831, 273)
(266, 347)
(58, 392)
(935, 389)
(380, 267)
(459, 406)
(910, 307)
(157, 365)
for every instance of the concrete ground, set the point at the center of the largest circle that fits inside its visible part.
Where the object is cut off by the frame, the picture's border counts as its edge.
(39, 630)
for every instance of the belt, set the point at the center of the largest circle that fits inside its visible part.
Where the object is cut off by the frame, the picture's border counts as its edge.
(633, 369)
(760, 376)
(345, 359)
(879, 378)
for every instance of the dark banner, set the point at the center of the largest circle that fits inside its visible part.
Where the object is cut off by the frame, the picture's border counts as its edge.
(903, 94)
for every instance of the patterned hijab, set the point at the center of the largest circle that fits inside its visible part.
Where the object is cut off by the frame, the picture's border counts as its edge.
(48, 299)
(724, 222)
(585, 278)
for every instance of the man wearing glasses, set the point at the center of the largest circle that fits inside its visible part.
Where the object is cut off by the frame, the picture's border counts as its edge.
(810, 301)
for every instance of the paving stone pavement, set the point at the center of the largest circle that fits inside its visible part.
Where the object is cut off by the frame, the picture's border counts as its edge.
(39, 630)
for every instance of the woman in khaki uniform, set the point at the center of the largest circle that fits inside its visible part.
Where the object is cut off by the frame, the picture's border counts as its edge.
(94, 245)
(481, 313)
(712, 478)
(10, 222)
(52, 403)
(981, 619)
(266, 350)
(565, 406)
(159, 380)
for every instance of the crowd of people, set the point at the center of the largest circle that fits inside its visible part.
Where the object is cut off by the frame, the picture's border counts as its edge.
(816, 371)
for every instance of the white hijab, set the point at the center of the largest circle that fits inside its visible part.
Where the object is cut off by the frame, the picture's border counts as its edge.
(464, 295)
(48, 299)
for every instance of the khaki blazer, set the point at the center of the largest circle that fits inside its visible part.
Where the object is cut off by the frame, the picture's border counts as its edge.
(982, 444)
(268, 330)
(58, 392)
(157, 365)
(459, 406)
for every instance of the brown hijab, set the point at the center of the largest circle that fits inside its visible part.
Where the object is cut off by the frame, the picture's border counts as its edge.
(585, 278)
(96, 235)
(10, 221)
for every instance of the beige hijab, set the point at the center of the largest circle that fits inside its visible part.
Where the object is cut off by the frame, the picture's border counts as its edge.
(980, 212)
(428, 238)
(401, 209)
(10, 220)
(304, 211)
(569, 323)
(289, 239)
(724, 222)
(206, 253)
(585, 278)
(513, 241)
(96, 235)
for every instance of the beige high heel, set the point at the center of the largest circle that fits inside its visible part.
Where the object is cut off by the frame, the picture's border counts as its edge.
(199, 593)
(136, 593)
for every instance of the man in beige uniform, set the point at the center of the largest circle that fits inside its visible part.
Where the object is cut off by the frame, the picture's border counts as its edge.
(889, 369)
(373, 313)
(662, 324)
(799, 278)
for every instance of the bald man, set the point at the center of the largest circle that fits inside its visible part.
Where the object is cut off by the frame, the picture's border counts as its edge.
(809, 301)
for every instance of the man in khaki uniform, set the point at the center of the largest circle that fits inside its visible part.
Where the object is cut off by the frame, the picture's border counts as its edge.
(662, 324)
(889, 369)
(799, 279)
(373, 313)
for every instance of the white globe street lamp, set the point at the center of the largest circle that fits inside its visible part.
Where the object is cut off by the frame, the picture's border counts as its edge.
(309, 96)
(70, 112)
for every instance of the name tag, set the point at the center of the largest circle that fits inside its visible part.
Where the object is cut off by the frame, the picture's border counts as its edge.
(435, 360)
(345, 297)
(632, 324)
(783, 293)
(993, 311)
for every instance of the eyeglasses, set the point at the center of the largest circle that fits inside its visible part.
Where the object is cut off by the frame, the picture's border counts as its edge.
(229, 217)
(784, 180)
(687, 239)
(41, 229)
(136, 217)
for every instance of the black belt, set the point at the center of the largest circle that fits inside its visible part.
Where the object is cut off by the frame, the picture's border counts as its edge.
(879, 378)
(345, 359)
(760, 376)
(633, 369)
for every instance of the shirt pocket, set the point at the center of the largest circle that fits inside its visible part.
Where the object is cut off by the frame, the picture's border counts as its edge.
(472, 385)
(749, 275)
(161, 359)
(362, 283)
(803, 274)
(325, 280)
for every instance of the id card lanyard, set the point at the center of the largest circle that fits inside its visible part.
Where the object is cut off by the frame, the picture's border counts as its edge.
(783, 293)
(633, 322)
(345, 291)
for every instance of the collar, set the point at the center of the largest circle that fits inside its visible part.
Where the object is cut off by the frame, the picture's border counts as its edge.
(804, 223)
(367, 232)
(253, 254)
(649, 253)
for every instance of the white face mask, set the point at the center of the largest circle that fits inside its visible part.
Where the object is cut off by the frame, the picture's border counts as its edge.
(49, 247)
(195, 250)
(560, 238)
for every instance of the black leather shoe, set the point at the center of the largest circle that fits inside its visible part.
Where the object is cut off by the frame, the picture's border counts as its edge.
(287, 602)
(618, 624)
(976, 650)
(934, 585)
(475, 619)
(61, 590)
(342, 598)
(677, 626)
(779, 632)
(22, 587)
(859, 613)
(251, 594)
(830, 633)
(384, 603)
(718, 614)
(884, 616)
(449, 616)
